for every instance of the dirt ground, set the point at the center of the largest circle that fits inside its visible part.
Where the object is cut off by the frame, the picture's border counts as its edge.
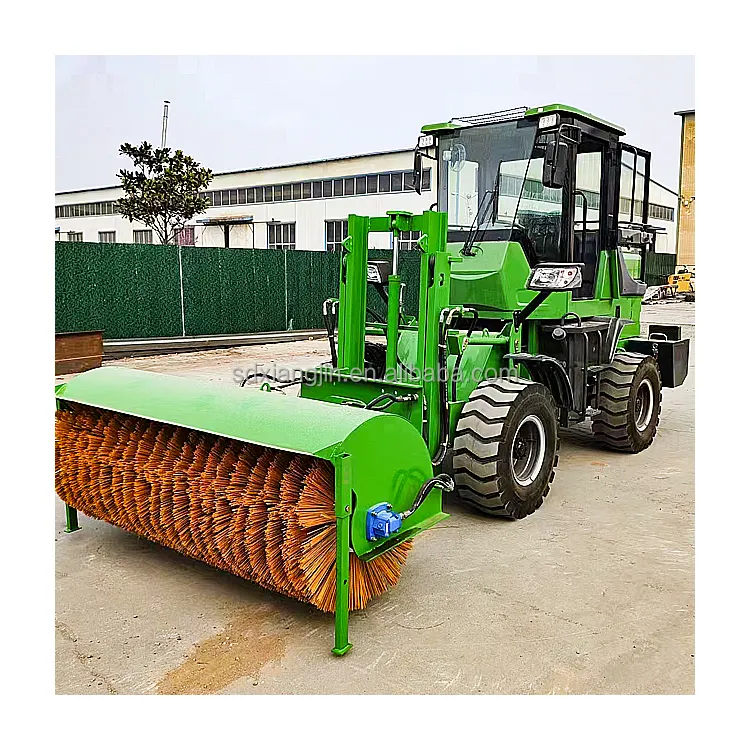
(594, 593)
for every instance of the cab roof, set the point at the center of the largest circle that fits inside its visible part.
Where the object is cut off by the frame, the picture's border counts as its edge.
(520, 112)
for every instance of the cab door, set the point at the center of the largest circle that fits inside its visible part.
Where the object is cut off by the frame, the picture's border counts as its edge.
(589, 230)
(635, 177)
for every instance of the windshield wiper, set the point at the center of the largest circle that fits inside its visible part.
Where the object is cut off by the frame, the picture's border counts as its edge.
(471, 238)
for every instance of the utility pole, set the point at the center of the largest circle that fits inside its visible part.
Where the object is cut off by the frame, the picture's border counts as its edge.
(164, 124)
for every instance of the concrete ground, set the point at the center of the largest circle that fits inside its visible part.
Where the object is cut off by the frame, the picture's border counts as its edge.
(594, 593)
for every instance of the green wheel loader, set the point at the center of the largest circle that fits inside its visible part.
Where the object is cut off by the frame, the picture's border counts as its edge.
(528, 320)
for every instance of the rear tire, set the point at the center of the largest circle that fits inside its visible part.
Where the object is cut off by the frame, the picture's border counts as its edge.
(630, 403)
(506, 447)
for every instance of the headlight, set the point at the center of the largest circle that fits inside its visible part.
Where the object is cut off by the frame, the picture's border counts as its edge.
(558, 277)
(426, 141)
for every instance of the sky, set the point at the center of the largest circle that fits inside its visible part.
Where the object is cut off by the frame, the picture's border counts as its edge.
(234, 113)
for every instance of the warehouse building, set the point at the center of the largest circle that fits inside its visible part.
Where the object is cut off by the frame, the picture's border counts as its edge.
(304, 206)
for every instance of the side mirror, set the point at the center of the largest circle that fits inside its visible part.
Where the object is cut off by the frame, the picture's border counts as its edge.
(555, 164)
(417, 177)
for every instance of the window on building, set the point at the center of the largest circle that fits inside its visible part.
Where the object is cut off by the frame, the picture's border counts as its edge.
(361, 185)
(75, 236)
(327, 188)
(107, 237)
(277, 192)
(143, 237)
(372, 183)
(336, 232)
(338, 187)
(408, 180)
(349, 186)
(397, 182)
(317, 188)
(384, 183)
(232, 197)
(286, 192)
(186, 236)
(100, 208)
(224, 197)
(307, 190)
(297, 191)
(656, 211)
(408, 241)
(281, 236)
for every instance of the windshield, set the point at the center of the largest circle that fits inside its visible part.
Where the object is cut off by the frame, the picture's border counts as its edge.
(473, 162)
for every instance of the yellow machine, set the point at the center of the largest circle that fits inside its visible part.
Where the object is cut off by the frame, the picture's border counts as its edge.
(683, 280)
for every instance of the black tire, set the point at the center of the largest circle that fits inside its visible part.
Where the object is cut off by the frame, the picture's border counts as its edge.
(374, 360)
(626, 423)
(489, 471)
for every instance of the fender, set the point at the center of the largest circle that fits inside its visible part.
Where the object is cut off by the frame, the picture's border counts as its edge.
(551, 373)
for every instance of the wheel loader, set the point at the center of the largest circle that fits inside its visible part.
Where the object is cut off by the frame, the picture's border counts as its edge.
(528, 321)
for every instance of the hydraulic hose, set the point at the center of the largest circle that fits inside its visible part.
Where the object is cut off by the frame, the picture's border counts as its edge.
(443, 481)
(472, 327)
(384, 400)
(330, 308)
(446, 317)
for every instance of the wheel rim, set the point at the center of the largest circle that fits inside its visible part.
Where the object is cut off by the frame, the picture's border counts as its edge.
(644, 405)
(529, 445)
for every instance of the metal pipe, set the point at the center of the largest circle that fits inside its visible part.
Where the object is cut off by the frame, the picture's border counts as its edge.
(164, 121)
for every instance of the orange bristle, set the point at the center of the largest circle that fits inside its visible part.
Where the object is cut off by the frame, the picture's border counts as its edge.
(263, 514)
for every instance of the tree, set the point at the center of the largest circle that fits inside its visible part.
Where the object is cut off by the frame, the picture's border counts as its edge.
(163, 191)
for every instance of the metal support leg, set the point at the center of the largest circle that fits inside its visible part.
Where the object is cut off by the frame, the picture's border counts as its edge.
(341, 640)
(343, 504)
(71, 520)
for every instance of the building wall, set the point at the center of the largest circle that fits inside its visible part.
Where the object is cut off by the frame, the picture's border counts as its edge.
(686, 222)
(661, 196)
(309, 215)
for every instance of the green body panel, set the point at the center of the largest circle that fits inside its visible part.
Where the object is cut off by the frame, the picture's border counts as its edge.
(494, 281)
(336, 387)
(248, 414)
(439, 126)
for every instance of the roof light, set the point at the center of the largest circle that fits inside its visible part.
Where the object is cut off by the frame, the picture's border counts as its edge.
(549, 121)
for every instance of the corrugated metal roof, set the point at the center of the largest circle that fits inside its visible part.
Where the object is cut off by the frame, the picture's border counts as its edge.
(264, 169)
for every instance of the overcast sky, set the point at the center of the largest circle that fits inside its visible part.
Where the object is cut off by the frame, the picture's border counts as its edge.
(233, 113)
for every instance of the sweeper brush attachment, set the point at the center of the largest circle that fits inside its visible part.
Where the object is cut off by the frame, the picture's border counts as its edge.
(259, 513)
(289, 517)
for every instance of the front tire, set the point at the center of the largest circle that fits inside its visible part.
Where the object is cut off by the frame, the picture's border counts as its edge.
(629, 403)
(506, 447)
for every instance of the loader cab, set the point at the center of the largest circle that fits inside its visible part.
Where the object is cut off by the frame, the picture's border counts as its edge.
(554, 179)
